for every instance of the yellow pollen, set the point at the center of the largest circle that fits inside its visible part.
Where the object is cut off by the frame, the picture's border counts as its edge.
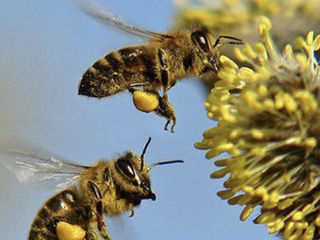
(66, 231)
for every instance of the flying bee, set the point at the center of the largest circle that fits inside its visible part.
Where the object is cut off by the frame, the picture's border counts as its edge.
(76, 212)
(158, 64)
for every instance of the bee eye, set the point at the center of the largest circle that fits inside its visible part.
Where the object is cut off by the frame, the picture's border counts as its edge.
(126, 168)
(200, 38)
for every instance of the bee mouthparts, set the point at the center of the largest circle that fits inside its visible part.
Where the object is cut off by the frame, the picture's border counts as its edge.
(150, 195)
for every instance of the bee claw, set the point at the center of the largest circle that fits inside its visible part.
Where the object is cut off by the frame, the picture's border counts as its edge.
(166, 126)
(173, 125)
(132, 213)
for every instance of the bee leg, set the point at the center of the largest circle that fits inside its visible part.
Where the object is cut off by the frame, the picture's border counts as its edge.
(166, 110)
(91, 232)
(101, 226)
(132, 213)
(137, 85)
(95, 189)
(93, 235)
(101, 222)
(97, 223)
(166, 125)
(99, 210)
(104, 233)
(173, 125)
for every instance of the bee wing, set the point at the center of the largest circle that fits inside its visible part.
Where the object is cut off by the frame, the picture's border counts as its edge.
(106, 17)
(31, 168)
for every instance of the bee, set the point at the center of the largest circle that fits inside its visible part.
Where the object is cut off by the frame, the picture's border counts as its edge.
(88, 193)
(158, 64)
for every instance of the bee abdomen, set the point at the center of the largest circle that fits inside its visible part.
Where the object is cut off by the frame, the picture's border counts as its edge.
(117, 70)
(42, 228)
(58, 208)
(103, 78)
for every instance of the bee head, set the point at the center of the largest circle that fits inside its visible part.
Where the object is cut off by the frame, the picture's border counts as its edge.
(208, 52)
(134, 175)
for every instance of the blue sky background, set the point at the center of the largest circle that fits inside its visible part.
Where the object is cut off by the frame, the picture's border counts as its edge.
(45, 46)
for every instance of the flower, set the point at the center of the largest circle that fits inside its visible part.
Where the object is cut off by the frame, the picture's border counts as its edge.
(269, 122)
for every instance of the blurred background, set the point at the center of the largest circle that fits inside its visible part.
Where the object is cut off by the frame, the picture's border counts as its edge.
(45, 46)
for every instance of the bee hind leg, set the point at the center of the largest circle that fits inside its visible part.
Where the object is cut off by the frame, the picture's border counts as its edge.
(166, 110)
(132, 213)
(166, 125)
(92, 233)
(172, 127)
(104, 234)
(97, 228)
(151, 101)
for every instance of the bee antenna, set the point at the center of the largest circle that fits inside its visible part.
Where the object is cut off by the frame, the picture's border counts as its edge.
(143, 152)
(164, 163)
(233, 40)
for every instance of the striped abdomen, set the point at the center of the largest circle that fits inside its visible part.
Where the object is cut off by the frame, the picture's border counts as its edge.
(65, 206)
(117, 70)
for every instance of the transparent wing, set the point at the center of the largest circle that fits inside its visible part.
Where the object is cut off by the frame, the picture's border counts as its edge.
(31, 168)
(99, 13)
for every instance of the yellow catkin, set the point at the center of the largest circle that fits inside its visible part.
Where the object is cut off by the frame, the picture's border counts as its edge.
(316, 44)
(308, 233)
(228, 62)
(297, 216)
(220, 173)
(311, 142)
(268, 114)
(317, 221)
(247, 211)
(225, 194)
(309, 38)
